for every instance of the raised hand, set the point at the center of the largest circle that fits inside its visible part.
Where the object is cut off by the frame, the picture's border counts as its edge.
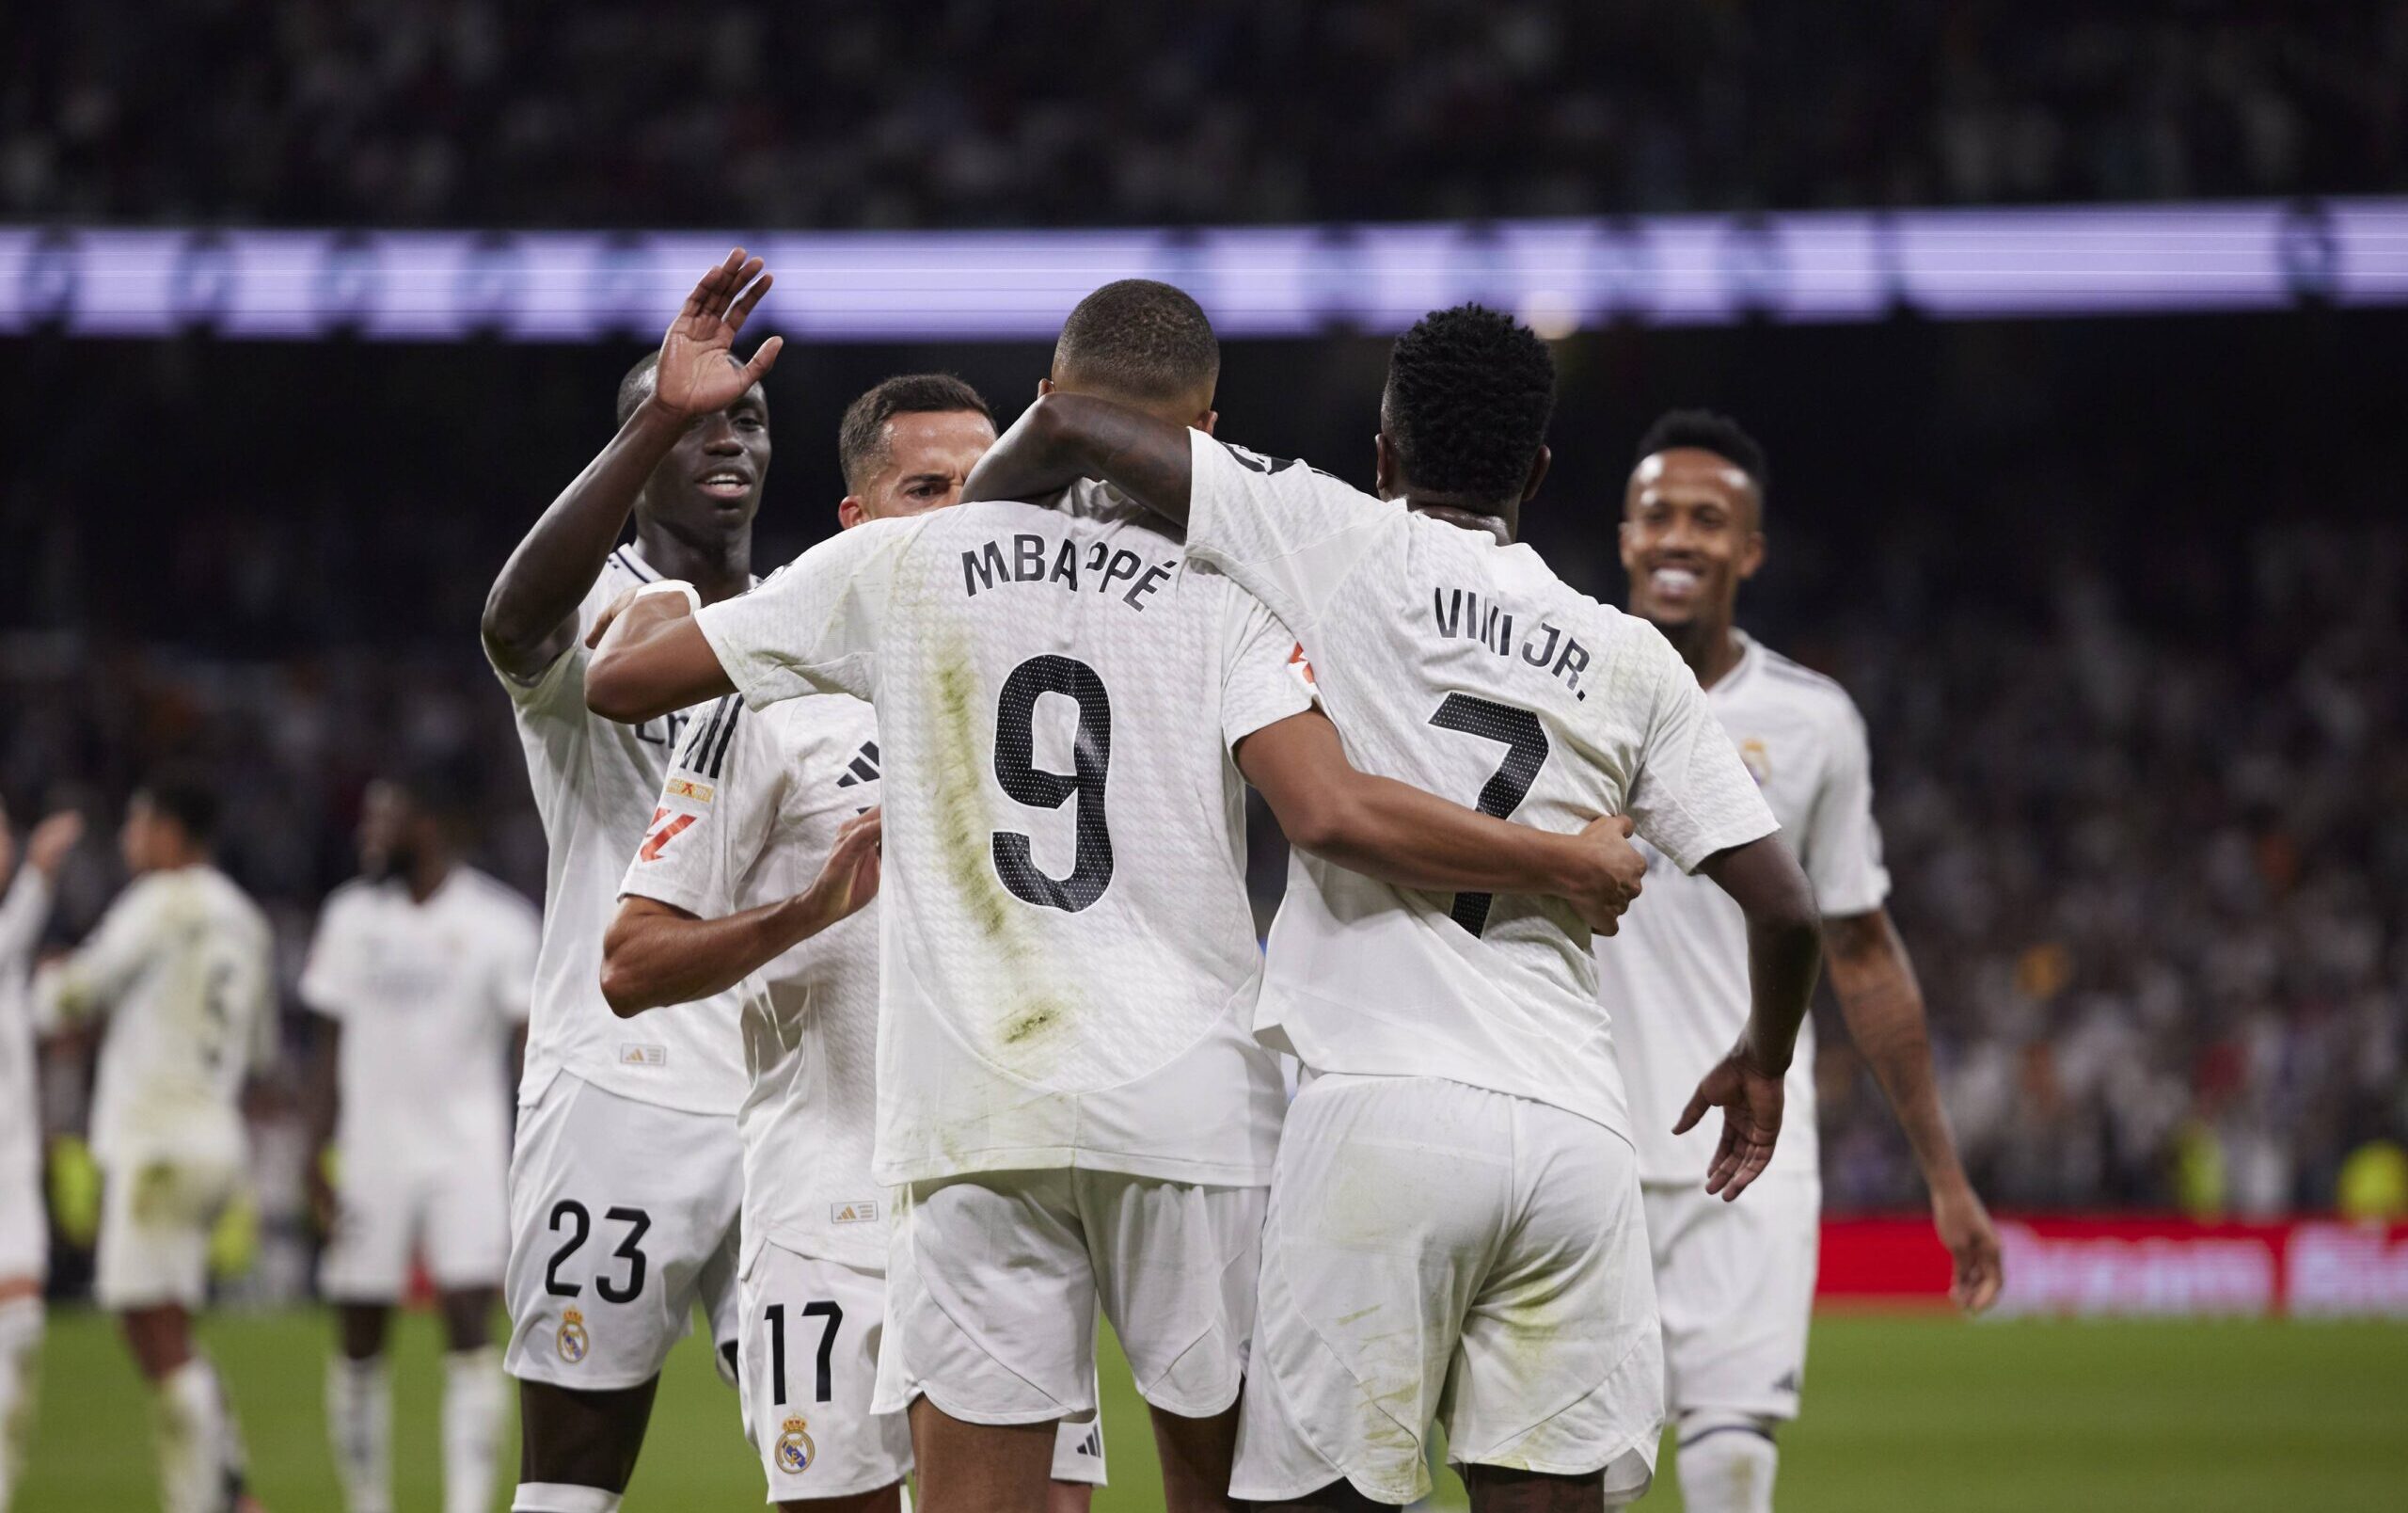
(699, 371)
(1616, 875)
(46, 849)
(1750, 1100)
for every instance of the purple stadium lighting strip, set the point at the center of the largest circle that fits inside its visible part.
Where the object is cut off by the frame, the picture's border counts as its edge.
(1257, 282)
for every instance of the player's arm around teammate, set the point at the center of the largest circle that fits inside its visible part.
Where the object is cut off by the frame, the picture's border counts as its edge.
(657, 954)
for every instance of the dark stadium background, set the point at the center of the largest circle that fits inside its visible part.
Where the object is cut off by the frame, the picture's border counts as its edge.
(2124, 599)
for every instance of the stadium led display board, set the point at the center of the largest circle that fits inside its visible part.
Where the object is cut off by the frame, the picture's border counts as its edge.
(1257, 282)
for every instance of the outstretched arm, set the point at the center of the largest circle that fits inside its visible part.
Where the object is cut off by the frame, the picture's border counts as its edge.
(657, 954)
(1883, 1006)
(1785, 953)
(528, 613)
(1064, 437)
(1400, 835)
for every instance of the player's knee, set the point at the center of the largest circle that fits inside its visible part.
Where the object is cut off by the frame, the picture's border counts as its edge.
(1726, 1462)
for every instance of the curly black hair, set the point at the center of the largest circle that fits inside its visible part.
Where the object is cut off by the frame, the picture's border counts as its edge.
(184, 793)
(1707, 431)
(861, 437)
(1141, 339)
(1471, 391)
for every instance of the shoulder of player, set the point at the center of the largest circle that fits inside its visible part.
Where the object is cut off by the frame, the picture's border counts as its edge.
(487, 891)
(347, 898)
(1815, 694)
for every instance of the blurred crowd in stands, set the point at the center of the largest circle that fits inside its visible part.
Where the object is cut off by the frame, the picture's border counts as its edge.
(855, 113)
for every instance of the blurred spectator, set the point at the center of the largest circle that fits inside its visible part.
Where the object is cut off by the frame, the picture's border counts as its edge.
(851, 113)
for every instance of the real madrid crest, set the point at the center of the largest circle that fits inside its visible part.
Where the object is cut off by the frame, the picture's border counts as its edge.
(572, 1342)
(795, 1450)
(1757, 758)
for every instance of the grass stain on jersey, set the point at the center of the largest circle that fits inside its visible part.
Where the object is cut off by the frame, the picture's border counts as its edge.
(1023, 1037)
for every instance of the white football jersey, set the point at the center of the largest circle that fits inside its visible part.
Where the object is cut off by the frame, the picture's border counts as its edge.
(594, 781)
(748, 815)
(1468, 669)
(427, 994)
(1069, 961)
(22, 913)
(1676, 976)
(183, 964)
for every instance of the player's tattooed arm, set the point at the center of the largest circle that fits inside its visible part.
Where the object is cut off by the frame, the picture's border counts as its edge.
(1785, 953)
(1400, 835)
(530, 613)
(1064, 437)
(649, 656)
(655, 954)
(1882, 1003)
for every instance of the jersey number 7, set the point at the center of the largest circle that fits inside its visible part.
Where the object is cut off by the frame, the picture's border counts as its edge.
(1526, 752)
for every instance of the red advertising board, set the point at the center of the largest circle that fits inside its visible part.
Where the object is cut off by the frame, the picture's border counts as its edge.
(2081, 1267)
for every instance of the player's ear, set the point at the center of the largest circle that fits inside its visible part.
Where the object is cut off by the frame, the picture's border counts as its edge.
(1752, 556)
(851, 512)
(1383, 466)
(1045, 386)
(1539, 466)
(1207, 420)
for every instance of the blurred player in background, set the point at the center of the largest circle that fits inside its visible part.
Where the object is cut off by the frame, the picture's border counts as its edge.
(1737, 1283)
(1455, 1231)
(24, 1232)
(1068, 1092)
(182, 967)
(420, 972)
(627, 1177)
(753, 809)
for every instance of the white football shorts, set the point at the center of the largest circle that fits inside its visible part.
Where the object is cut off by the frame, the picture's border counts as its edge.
(809, 1362)
(456, 1218)
(1439, 1253)
(994, 1281)
(155, 1221)
(1735, 1282)
(622, 1215)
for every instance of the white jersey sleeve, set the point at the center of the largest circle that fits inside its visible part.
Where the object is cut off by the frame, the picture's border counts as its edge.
(1285, 531)
(330, 977)
(1841, 849)
(94, 978)
(722, 794)
(814, 625)
(1259, 688)
(1693, 796)
(21, 914)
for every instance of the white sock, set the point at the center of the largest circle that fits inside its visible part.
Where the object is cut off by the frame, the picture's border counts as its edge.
(472, 1410)
(561, 1497)
(1726, 1463)
(20, 1357)
(359, 1424)
(201, 1450)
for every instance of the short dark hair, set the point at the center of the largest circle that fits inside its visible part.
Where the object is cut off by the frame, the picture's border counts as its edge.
(1140, 339)
(1469, 394)
(183, 794)
(632, 385)
(1707, 431)
(861, 437)
(442, 787)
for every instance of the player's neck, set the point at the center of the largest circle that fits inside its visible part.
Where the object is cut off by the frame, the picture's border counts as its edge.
(1711, 647)
(427, 876)
(1467, 516)
(719, 566)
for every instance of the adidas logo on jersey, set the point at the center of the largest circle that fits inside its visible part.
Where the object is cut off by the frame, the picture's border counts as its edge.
(631, 1054)
(852, 1213)
(863, 767)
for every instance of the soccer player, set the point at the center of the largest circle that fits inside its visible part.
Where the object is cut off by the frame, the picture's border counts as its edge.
(1455, 1229)
(182, 966)
(627, 1175)
(730, 879)
(421, 971)
(1068, 1100)
(25, 1234)
(1736, 1284)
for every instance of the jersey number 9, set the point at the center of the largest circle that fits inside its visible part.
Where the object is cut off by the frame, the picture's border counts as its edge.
(1027, 783)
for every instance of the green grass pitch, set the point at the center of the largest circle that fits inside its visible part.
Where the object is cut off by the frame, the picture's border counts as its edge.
(1902, 1413)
